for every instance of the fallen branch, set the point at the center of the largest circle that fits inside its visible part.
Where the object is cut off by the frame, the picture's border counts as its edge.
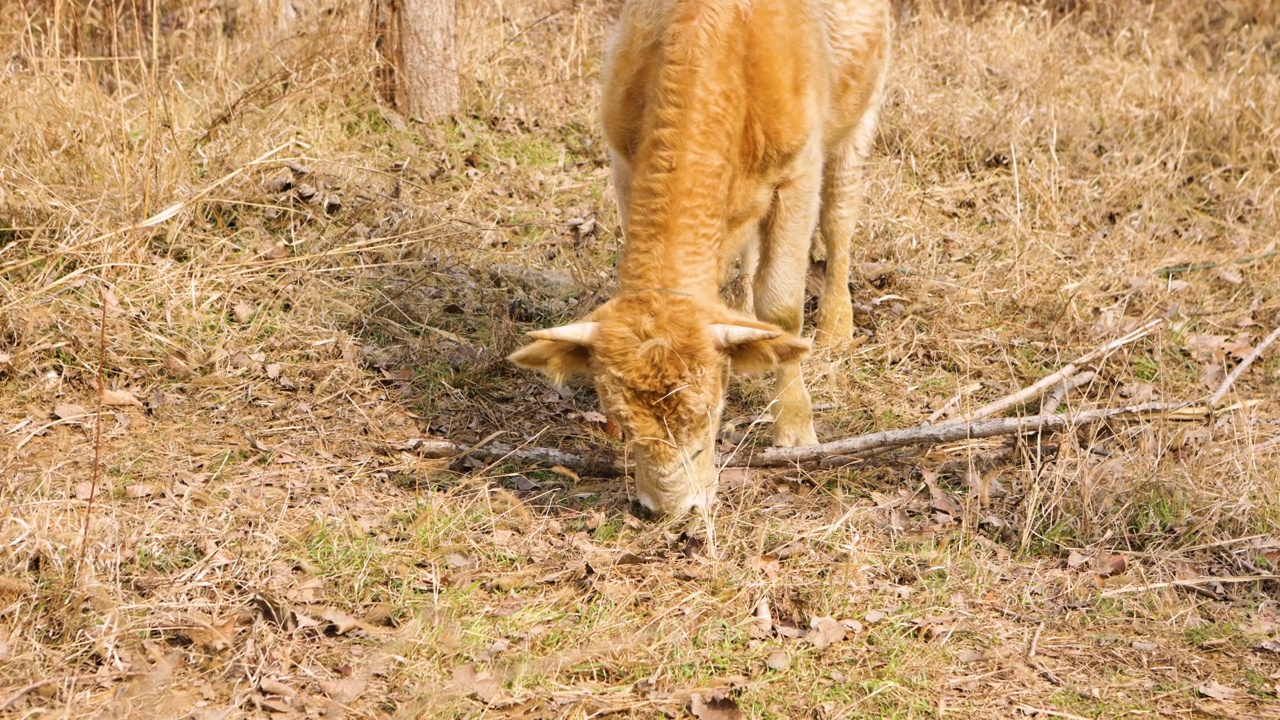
(606, 463)
(602, 463)
(1244, 365)
(949, 432)
(1045, 383)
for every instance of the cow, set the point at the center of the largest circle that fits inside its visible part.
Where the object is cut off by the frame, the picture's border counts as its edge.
(735, 128)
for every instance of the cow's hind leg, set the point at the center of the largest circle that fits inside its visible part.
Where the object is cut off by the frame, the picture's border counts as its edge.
(779, 295)
(841, 199)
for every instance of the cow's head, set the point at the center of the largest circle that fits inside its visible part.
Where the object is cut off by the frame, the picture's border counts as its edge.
(660, 361)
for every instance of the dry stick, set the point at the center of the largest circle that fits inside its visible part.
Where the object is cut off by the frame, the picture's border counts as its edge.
(1244, 365)
(606, 463)
(1266, 444)
(1048, 381)
(1065, 388)
(97, 426)
(1187, 584)
(949, 432)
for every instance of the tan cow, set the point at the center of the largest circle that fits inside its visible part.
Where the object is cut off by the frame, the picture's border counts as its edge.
(736, 128)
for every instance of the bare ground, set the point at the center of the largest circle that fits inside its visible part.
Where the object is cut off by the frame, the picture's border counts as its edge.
(264, 538)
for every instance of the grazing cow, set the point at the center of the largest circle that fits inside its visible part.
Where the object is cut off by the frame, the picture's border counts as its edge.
(735, 129)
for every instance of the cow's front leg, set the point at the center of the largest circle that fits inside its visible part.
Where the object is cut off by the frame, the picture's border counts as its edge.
(779, 292)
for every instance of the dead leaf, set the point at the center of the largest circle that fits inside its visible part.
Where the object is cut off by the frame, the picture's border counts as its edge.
(824, 632)
(763, 619)
(308, 591)
(68, 411)
(140, 490)
(1076, 559)
(940, 499)
(1113, 566)
(275, 687)
(342, 622)
(1239, 349)
(1145, 647)
(778, 660)
(118, 398)
(875, 616)
(1229, 275)
(1271, 646)
(1137, 392)
(344, 691)
(714, 705)
(766, 564)
(110, 302)
(1213, 690)
(493, 650)
(970, 656)
(479, 685)
(242, 312)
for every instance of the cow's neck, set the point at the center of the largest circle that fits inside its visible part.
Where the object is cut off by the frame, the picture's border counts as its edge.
(682, 171)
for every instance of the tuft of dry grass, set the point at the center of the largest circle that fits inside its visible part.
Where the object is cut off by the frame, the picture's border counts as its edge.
(1049, 176)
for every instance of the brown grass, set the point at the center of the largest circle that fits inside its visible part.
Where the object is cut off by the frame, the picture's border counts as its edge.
(1048, 177)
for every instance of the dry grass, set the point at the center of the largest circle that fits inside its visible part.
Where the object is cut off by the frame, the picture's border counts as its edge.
(262, 543)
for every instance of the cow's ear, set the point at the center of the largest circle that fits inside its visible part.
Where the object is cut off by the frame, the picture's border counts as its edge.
(560, 352)
(756, 349)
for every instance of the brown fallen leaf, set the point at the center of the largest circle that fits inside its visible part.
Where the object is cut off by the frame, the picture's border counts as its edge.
(1213, 690)
(111, 303)
(766, 564)
(1229, 275)
(824, 632)
(1076, 559)
(1271, 646)
(482, 686)
(140, 490)
(940, 499)
(342, 622)
(1137, 392)
(714, 705)
(1113, 566)
(68, 411)
(242, 312)
(344, 691)
(117, 398)
(778, 660)
(875, 616)
(271, 686)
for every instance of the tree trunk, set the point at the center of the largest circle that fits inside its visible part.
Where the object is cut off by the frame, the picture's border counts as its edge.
(424, 56)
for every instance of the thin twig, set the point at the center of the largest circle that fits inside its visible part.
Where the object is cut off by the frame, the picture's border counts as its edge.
(1065, 388)
(1028, 710)
(1266, 444)
(97, 426)
(1210, 265)
(1244, 365)
(1048, 381)
(1188, 583)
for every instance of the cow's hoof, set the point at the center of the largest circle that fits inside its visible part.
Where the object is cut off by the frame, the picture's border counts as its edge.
(834, 328)
(795, 436)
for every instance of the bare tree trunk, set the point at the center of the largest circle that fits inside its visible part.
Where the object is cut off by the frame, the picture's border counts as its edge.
(423, 50)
